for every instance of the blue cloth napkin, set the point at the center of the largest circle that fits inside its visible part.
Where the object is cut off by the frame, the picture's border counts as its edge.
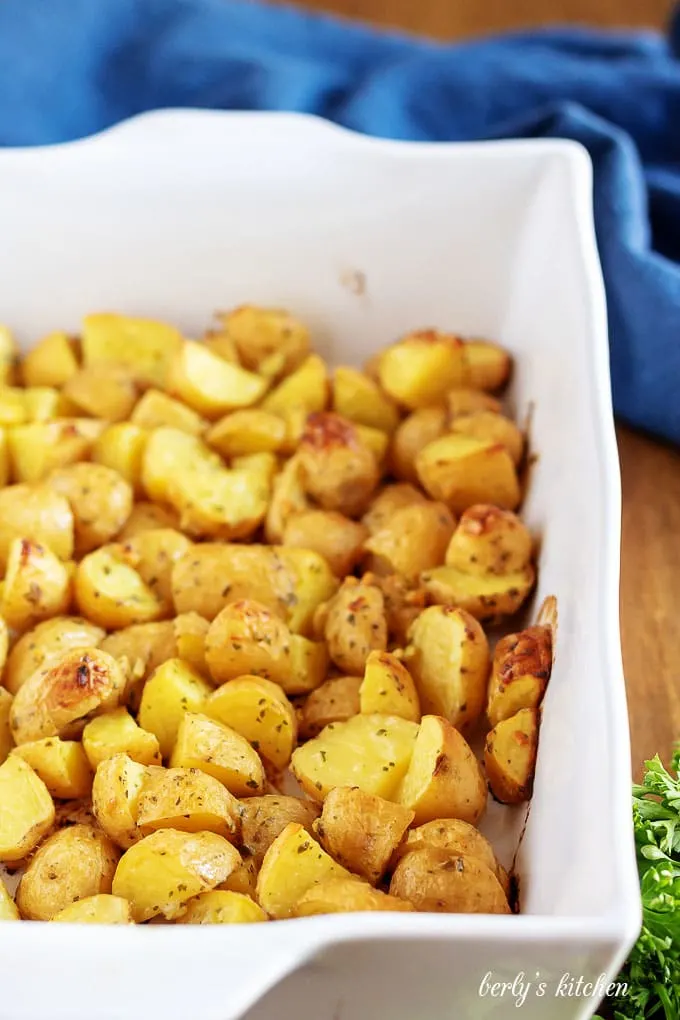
(71, 67)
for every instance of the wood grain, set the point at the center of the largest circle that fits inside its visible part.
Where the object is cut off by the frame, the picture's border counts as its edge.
(650, 577)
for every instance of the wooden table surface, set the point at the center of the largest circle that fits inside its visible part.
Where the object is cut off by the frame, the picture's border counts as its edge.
(650, 571)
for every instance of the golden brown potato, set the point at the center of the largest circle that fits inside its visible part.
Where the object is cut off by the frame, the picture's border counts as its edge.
(488, 365)
(173, 689)
(220, 504)
(100, 499)
(209, 745)
(28, 809)
(362, 831)
(57, 700)
(37, 585)
(448, 658)
(404, 602)
(45, 645)
(493, 427)
(336, 700)
(489, 540)
(306, 390)
(220, 906)
(190, 631)
(462, 470)
(419, 369)
(510, 756)
(387, 502)
(188, 800)
(153, 554)
(288, 499)
(335, 537)
(36, 513)
(443, 881)
(264, 818)
(165, 870)
(293, 864)
(148, 517)
(414, 539)
(357, 397)
(260, 711)
(388, 687)
(457, 837)
(152, 644)
(118, 782)
(208, 384)
(143, 345)
(171, 455)
(345, 895)
(519, 673)
(355, 625)
(51, 362)
(484, 596)
(247, 637)
(157, 410)
(61, 764)
(463, 400)
(248, 431)
(111, 592)
(71, 864)
(121, 448)
(103, 908)
(309, 662)
(244, 879)
(8, 910)
(6, 738)
(413, 435)
(369, 751)
(103, 390)
(116, 732)
(38, 448)
(444, 779)
(339, 470)
(268, 340)
(220, 343)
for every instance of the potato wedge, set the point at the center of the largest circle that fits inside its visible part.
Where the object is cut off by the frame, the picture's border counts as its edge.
(312, 582)
(103, 908)
(244, 879)
(336, 700)
(388, 688)
(161, 873)
(8, 908)
(100, 500)
(61, 764)
(118, 782)
(339, 470)
(246, 432)
(355, 625)
(111, 592)
(157, 410)
(488, 365)
(420, 368)
(37, 585)
(488, 540)
(45, 645)
(170, 455)
(147, 516)
(117, 732)
(247, 637)
(335, 537)
(464, 400)
(188, 800)
(51, 362)
(190, 631)
(293, 863)
(358, 397)
(414, 433)
(264, 818)
(457, 837)
(309, 661)
(414, 539)
(260, 711)
(103, 390)
(153, 554)
(484, 596)
(173, 689)
(493, 427)
(463, 470)
(369, 751)
(289, 498)
(222, 907)
(6, 738)
(362, 831)
(28, 809)
(57, 700)
(345, 895)
(444, 779)
(210, 385)
(441, 881)
(145, 346)
(36, 513)
(306, 390)
(268, 340)
(38, 448)
(448, 658)
(520, 671)
(206, 744)
(510, 757)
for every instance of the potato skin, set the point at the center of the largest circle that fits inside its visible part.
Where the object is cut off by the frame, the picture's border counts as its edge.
(415, 538)
(355, 625)
(335, 537)
(520, 671)
(439, 881)
(37, 585)
(264, 818)
(43, 646)
(340, 472)
(100, 499)
(510, 757)
(74, 863)
(336, 700)
(247, 637)
(456, 836)
(344, 895)
(36, 513)
(413, 435)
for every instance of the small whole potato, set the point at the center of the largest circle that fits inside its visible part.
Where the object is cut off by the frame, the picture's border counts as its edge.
(101, 501)
(489, 540)
(335, 537)
(246, 637)
(268, 340)
(441, 881)
(74, 863)
(340, 471)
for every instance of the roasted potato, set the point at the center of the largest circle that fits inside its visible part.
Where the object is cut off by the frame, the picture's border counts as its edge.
(355, 625)
(221, 343)
(264, 818)
(8, 909)
(462, 470)
(510, 756)
(153, 554)
(173, 689)
(57, 701)
(305, 390)
(142, 345)
(404, 601)
(118, 782)
(38, 448)
(28, 809)
(102, 390)
(288, 499)
(18, 406)
(226, 504)
(488, 540)
(51, 362)
(464, 400)
(362, 831)
(244, 879)
(358, 397)
(488, 366)
(100, 499)
(388, 688)
(220, 906)
(413, 435)
(209, 384)
(165, 870)
(388, 501)
(246, 432)
(188, 800)
(103, 908)
(260, 711)
(6, 738)
(157, 410)
(121, 448)
(172, 455)
(206, 744)
(419, 369)
(147, 516)
(5, 466)
(38, 514)
(340, 472)
(71, 864)
(268, 340)
(335, 537)
(309, 662)
(345, 895)
(190, 631)
(369, 751)
(150, 644)
(457, 837)
(444, 779)
(37, 585)
(519, 672)
(442, 881)
(45, 645)
(293, 863)
(247, 637)
(111, 592)
(493, 427)
(414, 539)
(448, 658)
(61, 764)
(336, 700)
(116, 732)
(484, 596)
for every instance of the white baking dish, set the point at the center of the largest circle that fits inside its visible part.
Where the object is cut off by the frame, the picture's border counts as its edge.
(177, 213)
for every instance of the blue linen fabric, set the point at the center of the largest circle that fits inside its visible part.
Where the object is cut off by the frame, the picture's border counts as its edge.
(72, 67)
